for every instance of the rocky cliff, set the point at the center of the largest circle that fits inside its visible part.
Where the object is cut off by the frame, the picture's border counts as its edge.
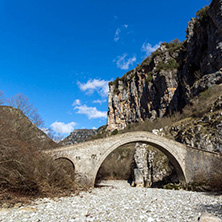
(174, 74)
(79, 136)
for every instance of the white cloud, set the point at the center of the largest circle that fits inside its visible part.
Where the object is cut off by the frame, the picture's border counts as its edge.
(94, 127)
(148, 48)
(124, 63)
(116, 36)
(76, 102)
(99, 101)
(118, 31)
(101, 86)
(61, 127)
(91, 112)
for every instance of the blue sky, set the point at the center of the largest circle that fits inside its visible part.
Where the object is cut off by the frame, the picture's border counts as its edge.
(62, 53)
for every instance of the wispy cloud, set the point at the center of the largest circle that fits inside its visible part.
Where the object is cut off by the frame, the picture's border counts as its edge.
(100, 86)
(90, 112)
(61, 127)
(118, 31)
(123, 63)
(148, 48)
(99, 101)
(116, 36)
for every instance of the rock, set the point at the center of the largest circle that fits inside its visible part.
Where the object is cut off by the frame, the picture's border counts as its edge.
(203, 132)
(205, 217)
(151, 166)
(17, 205)
(141, 173)
(78, 136)
(27, 209)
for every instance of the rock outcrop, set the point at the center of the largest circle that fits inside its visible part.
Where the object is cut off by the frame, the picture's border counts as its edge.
(79, 136)
(204, 132)
(151, 167)
(174, 74)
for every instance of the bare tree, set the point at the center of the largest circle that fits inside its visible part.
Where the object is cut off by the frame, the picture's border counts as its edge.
(53, 135)
(2, 98)
(21, 102)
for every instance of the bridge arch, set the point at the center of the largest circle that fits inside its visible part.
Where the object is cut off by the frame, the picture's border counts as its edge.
(172, 154)
(67, 159)
(64, 156)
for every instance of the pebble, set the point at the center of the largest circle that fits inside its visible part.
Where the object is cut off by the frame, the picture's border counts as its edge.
(117, 201)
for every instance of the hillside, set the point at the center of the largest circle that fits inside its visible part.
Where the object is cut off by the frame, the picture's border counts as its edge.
(15, 127)
(172, 76)
(25, 172)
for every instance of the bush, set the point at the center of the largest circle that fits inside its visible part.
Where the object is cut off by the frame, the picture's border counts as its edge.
(114, 132)
(170, 64)
(149, 77)
(25, 170)
(202, 13)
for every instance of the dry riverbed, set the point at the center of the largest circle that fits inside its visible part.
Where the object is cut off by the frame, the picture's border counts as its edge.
(117, 201)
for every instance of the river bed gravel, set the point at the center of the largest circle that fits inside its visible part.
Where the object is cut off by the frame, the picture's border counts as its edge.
(117, 201)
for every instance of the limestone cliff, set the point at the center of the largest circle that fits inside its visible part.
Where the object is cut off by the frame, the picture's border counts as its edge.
(174, 74)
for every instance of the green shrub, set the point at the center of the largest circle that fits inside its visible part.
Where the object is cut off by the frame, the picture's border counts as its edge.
(114, 132)
(174, 45)
(146, 61)
(202, 13)
(170, 64)
(149, 77)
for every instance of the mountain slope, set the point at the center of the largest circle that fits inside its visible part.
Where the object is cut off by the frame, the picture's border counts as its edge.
(15, 127)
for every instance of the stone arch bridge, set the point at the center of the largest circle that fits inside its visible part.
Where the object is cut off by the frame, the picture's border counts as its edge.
(191, 164)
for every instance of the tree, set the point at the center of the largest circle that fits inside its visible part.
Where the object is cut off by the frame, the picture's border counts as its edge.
(21, 102)
(56, 137)
(2, 98)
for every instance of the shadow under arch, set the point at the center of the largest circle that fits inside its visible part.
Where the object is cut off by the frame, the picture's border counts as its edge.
(68, 165)
(176, 162)
(66, 159)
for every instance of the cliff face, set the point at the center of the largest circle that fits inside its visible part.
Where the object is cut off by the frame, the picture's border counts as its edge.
(174, 74)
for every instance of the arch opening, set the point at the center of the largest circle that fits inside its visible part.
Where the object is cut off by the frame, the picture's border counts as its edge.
(118, 165)
(177, 174)
(67, 165)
